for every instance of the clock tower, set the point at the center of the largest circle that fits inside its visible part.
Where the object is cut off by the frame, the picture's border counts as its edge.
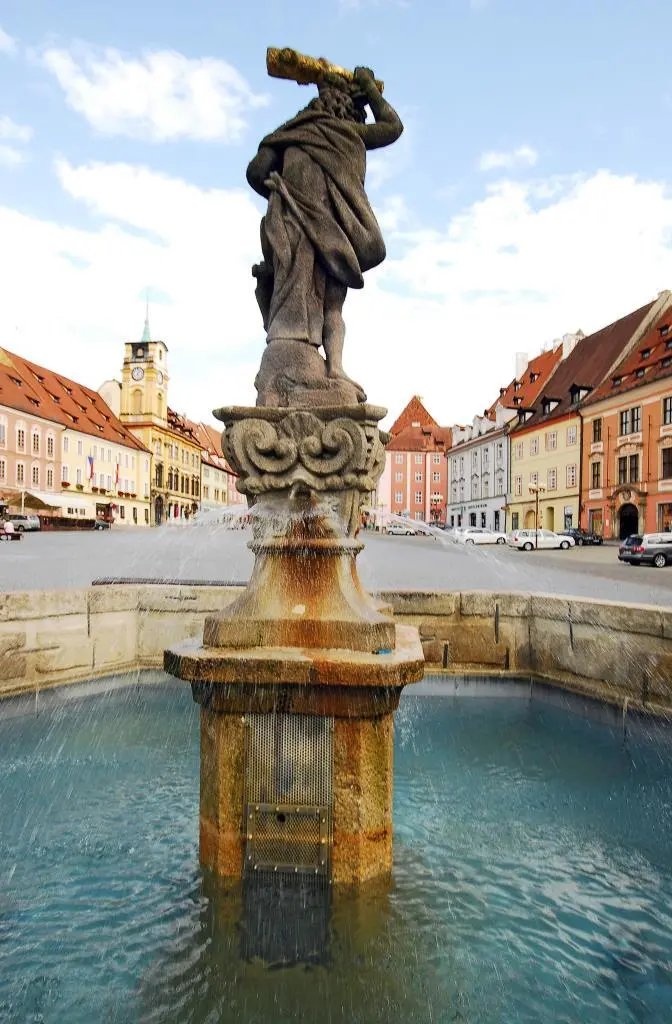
(144, 381)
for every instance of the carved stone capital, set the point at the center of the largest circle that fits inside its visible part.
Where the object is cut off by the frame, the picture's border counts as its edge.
(326, 450)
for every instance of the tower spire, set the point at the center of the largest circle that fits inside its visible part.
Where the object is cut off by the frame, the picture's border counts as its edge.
(146, 334)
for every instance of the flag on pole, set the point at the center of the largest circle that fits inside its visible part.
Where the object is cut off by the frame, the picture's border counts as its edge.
(116, 475)
(89, 466)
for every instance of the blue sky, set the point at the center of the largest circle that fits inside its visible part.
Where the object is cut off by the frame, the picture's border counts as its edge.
(529, 195)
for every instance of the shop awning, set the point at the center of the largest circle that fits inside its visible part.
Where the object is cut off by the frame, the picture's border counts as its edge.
(32, 499)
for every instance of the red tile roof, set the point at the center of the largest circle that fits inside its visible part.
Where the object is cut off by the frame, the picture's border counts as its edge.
(36, 391)
(586, 366)
(650, 360)
(522, 392)
(415, 430)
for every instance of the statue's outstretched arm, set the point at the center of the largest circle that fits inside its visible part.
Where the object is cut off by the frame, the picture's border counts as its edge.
(388, 126)
(259, 169)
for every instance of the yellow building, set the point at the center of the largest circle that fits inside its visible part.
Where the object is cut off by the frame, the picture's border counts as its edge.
(546, 444)
(140, 400)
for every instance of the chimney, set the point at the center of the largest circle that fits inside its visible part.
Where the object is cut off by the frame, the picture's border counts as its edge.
(570, 341)
(521, 364)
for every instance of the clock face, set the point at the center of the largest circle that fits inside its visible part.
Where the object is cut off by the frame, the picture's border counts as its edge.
(159, 377)
(137, 373)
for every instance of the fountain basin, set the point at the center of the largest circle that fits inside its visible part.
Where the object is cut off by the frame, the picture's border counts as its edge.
(532, 879)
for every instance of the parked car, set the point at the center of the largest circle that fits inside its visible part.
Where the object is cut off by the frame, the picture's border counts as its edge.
(633, 540)
(525, 540)
(102, 524)
(582, 537)
(649, 549)
(479, 535)
(23, 523)
(399, 530)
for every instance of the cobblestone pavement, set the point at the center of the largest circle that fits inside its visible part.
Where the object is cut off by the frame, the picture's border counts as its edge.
(52, 560)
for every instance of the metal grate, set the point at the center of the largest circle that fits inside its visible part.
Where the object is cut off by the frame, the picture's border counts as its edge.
(288, 793)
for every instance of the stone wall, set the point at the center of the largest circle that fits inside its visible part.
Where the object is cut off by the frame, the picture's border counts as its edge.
(620, 653)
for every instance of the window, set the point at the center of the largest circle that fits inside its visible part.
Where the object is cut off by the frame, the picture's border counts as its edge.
(50, 446)
(667, 411)
(135, 514)
(571, 435)
(146, 516)
(630, 421)
(418, 477)
(65, 474)
(534, 446)
(551, 440)
(474, 488)
(474, 458)
(35, 476)
(634, 469)
(418, 516)
(35, 443)
(399, 459)
(623, 470)
(418, 497)
(499, 483)
(499, 451)
(436, 459)
(20, 473)
(515, 519)
(109, 453)
(518, 485)
(79, 448)
(3, 469)
(571, 475)
(596, 475)
(552, 479)
(3, 431)
(94, 451)
(482, 520)
(66, 444)
(597, 430)
(20, 439)
(79, 476)
(518, 450)
(122, 511)
(534, 479)
(398, 497)
(398, 477)
(436, 478)
(50, 478)
(667, 463)
(418, 460)
(486, 488)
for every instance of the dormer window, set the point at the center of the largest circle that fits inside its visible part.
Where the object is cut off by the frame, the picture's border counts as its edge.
(517, 385)
(667, 361)
(640, 372)
(646, 352)
(534, 376)
(17, 381)
(549, 404)
(517, 399)
(616, 381)
(669, 344)
(502, 391)
(664, 330)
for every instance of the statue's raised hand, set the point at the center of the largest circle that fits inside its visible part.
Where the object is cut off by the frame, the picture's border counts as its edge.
(365, 79)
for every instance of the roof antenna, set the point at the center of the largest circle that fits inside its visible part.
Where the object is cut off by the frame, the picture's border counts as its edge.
(146, 334)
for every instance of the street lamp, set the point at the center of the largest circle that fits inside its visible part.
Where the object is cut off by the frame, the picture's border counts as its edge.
(536, 489)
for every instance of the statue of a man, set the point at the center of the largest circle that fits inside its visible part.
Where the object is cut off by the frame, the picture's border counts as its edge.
(318, 237)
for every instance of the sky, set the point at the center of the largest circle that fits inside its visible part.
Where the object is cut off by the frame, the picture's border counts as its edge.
(529, 195)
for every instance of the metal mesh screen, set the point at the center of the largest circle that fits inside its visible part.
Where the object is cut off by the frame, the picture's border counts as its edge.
(288, 793)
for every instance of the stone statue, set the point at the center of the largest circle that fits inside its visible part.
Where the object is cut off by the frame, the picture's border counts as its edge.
(318, 237)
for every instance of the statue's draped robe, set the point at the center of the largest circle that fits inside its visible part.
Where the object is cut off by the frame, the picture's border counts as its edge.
(319, 224)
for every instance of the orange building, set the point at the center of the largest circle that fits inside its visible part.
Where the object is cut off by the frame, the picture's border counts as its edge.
(415, 479)
(627, 441)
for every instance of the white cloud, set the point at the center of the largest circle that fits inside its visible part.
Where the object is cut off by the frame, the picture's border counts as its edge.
(443, 317)
(523, 156)
(7, 43)
(159, 96)
(11, 130)
(10, 156)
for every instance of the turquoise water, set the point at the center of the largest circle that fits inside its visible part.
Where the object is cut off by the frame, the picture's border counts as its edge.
(532, 883)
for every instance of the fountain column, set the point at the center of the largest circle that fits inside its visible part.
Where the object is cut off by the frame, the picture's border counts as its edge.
(299, 677)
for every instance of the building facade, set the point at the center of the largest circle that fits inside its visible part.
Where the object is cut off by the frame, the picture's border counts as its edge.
(627, 442)
(414, 482)
(141, 398)
(546, 454)
(218, 481)
(63, 452)
(478, 462)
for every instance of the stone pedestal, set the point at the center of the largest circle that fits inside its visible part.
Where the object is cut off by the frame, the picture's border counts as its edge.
(299, 678)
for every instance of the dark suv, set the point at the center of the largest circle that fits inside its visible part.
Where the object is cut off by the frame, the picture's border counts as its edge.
(582, 537)
(650, 549)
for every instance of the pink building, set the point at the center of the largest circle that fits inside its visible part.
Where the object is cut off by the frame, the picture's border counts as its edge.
(30, 455)
(415, 480)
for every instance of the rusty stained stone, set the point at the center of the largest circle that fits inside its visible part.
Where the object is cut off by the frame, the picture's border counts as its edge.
(336, 701)
(221, 799)
(363, 776)
(290, 666)
(304, 591)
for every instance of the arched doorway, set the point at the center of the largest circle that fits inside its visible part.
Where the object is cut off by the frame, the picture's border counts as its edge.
(158, 511)
(529, 519)
(628, 520)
